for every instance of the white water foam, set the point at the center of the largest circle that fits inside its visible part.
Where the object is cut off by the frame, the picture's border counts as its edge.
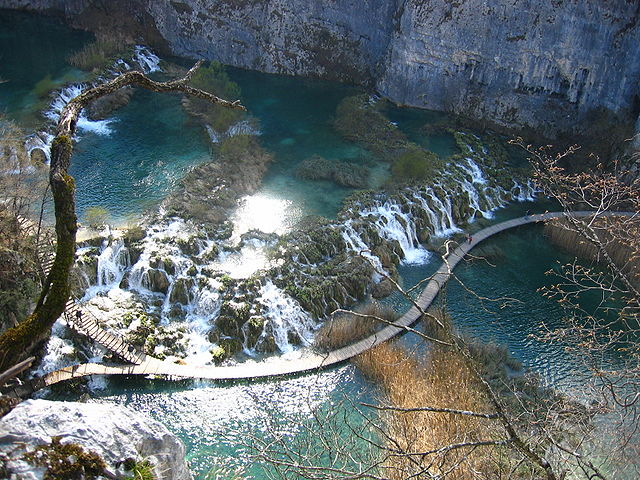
(394, 224)
(148, 61)
(283, 314)
(99, 127)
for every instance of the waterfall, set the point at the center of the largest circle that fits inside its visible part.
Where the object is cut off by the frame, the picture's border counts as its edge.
(39, 141)
(405, 216)
(284, 315)
(148, 61)
(215, 138)
(474, 171)
(441, 219)
(112, 262)
(393, 224)
(243, 127)
(62, 97)
(355, 243)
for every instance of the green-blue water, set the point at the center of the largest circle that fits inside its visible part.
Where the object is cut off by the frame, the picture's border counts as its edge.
(153, 142)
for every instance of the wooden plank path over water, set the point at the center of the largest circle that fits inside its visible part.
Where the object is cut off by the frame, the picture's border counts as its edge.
(142, 364)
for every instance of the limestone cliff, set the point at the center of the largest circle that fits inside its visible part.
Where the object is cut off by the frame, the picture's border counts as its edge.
(544, 64)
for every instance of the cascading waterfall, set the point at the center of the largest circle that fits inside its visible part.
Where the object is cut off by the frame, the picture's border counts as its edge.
(148, 62)
(112, 262)
(243, 127)
(394, 224)
(398, 218)
(99, 127)
(285, 316)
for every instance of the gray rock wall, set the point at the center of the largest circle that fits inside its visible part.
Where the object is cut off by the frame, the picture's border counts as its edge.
(538, 63)
(544, 64)
(335, 39)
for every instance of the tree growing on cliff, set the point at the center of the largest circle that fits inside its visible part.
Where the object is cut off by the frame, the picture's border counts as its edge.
(22, 187)
(19, 342)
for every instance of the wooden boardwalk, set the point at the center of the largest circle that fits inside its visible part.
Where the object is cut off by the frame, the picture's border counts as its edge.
(86, 324)
(142, 364)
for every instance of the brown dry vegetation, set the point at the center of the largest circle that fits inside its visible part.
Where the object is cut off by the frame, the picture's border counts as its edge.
(346, 328)
(622, 253)
(445, 380)
(99, 54)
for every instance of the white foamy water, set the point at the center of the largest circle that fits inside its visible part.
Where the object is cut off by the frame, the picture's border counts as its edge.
(62, 97)
(148, 61)
(284, 316)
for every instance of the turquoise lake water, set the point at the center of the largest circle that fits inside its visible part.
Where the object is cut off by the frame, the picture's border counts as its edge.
(153, 142)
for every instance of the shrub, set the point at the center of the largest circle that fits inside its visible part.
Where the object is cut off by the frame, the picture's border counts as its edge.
(141, 471)
(213, 78)
(66, 461)
(415, 164)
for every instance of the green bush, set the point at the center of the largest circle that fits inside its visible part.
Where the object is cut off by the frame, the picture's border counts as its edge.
(213, 78)
(415, 164)
(142, 471)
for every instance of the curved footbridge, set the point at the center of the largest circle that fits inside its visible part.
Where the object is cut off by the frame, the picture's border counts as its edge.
(142, 364)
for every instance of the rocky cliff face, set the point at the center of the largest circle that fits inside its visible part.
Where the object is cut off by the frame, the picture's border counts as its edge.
(544, 64)
(113, 432)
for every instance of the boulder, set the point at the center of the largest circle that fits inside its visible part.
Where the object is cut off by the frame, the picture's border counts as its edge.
(181, 291)
(114, 432)
(157, 281)
(382, 289)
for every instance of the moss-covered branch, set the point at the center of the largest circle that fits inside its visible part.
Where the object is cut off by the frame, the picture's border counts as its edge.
(19, 342)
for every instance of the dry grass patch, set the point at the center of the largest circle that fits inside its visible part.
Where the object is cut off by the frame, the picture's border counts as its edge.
(445, 380)
(346, 328)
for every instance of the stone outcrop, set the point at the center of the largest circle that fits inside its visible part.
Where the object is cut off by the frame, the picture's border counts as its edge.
(547, 65)
(114, 432)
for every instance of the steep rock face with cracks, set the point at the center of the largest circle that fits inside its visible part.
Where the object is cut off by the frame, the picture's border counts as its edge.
(547, 65)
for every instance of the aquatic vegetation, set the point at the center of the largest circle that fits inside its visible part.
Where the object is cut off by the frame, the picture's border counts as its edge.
(96, 217)
(342, 173)
(345, 328)
(210, 191)
(100, 54)
(415, 164)
(213, 78)
(359, 119)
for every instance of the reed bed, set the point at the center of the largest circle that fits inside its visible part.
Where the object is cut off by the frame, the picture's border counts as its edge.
(346, 328)
(625, 254)
(98, 54)
(444, 380)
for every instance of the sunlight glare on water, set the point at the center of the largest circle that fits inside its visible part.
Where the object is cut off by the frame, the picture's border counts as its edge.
(215, 421)
(265, 213)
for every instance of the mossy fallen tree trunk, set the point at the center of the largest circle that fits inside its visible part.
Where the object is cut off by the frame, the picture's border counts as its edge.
(21, 341)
